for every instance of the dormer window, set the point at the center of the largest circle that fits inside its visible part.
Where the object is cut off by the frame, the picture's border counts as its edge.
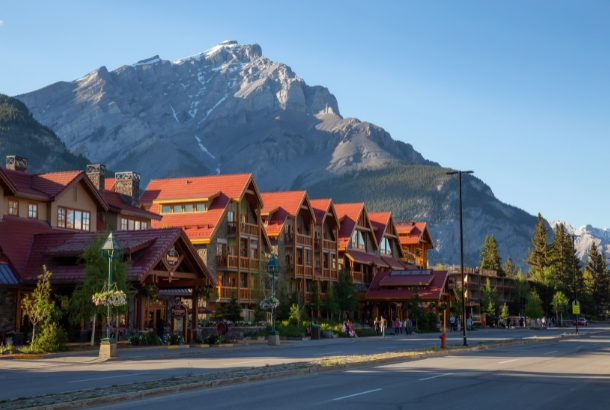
(33, 211)
(13, 207)
(184, 208)
(385, 247)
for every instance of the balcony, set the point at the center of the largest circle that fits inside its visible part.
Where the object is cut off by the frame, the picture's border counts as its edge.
(332, 245)
(304, 240)
(233, 262)
(299, 270)
(307, 297)
(358, 277)
(244, 294)
(248, 229)
(308, 272)
(334, 274)
(226, 292)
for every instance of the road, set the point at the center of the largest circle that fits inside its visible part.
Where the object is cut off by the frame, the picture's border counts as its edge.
(39, 377)
(565, 374)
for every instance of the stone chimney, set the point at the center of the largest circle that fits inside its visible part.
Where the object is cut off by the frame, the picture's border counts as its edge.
(97, 175)
(16, 163)
(128, 185)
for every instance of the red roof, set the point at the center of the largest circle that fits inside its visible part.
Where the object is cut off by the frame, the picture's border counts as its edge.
(146, 247)
(380, 221)
(320, 208)
(49, 186)
(281, 205)
(16, 237)
(197, 225)
(348, 215)
(117, 204)
(431, 291)
(109, 184)
(403, 280)
(366, 258)
(394, 264)
(410, 233)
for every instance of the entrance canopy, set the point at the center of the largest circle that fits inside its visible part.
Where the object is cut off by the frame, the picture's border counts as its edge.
(402, 285)
(366, 259)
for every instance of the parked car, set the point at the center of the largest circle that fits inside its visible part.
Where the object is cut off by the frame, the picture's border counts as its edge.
(581, 321)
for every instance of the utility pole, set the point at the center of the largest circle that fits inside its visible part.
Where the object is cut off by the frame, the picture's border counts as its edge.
(459, 173)
(574, 271)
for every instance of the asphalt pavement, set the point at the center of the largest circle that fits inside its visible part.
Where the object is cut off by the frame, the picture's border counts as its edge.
(76, 372)
(565, 374)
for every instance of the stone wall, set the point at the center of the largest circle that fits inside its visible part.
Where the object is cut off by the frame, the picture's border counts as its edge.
(8, 309)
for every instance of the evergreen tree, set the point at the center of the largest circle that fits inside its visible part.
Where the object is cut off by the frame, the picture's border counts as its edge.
(489, 299)
(330, 301)
(521, 289)
(537, 257)
(560, 304)
(346, 294)
(545, 283)
(232, 310)
(533, 307)
(510, 269)
(316, 301)
(490, 257)
(599, 286)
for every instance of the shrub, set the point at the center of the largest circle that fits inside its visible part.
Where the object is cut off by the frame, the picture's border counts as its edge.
(151, 339)
(51, 339)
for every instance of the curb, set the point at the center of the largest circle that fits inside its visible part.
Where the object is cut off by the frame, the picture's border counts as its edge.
(238, 380)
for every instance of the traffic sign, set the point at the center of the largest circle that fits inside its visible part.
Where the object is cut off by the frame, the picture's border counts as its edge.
(576, 309)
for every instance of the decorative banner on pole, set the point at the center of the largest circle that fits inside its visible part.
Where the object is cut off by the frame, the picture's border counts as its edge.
(576, 307)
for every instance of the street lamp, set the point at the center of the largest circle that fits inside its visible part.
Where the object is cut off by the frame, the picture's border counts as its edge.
(459, 173)
(110, 250)
(574, 271)
(273, 268)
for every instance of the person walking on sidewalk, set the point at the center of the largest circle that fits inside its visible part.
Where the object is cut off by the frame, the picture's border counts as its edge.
(452, 323)
(469, 323)
(409, 326)
(383, 324)
(377, 325)
(396, 326)
(404, 324)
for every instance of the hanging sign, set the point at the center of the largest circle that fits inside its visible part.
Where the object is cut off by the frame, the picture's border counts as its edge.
(451, 283)
(172, 257)
(178, 309)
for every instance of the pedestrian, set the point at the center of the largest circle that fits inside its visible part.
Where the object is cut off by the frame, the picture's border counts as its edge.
(409, 326)
(452, 322)
(544, 322)
(345, 329)
(404, 324)
(521, 321)
(396, 326)
(501, 322)
(376, 323)
(160, 328)
(459, 325)
(383, 324)
(399, 325)
(469, 323)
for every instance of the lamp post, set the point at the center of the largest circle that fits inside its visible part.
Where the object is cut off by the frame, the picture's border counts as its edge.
(459, 173)
(273, 268)
(110, 250)
(574, 272)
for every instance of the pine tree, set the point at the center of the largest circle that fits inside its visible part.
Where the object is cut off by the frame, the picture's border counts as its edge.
(346, 294)
(330, 301)
(537, 257)
(490, 257)
(510, 269)
(316, 301)
(489, 299)
(232, 310)
(532, 308)
(599, 286)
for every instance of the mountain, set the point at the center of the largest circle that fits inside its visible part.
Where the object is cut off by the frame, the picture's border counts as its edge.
(585, 236)
(19, 131)
(230, 109)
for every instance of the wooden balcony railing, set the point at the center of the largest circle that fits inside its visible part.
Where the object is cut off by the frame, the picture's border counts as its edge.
(329, 244)
(308, 271)
(244, 294)
(358, 276)
(299, 270)
(304, 240)
(334, 274)
(227, 261)
(248, 229)
(307, 297)
(226, 292)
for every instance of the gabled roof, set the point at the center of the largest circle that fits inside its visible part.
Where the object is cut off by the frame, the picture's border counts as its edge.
(380, 221)
(50, 186)
(321, 207)
(197, 225)
(146, 248)
(349, 214)
(117, 204)
(412, 233)
(6, 183)
(16, 237)
(281, 205)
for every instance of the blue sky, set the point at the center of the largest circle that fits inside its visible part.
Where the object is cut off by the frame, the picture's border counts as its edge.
(517, 91)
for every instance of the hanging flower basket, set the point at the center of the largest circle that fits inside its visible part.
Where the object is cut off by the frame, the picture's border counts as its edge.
(269, 303)
(110, 297)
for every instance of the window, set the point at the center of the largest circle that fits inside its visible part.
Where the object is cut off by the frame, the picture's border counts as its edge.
(385, 248)
(307, 257)
(358, 241)
(33, 211)
(127, 224)
(13, 207)
(181, 208)
(232, 211)
(73, 219)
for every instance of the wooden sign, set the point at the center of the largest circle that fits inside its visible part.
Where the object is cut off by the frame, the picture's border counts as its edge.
(172, 258)
(179, 310)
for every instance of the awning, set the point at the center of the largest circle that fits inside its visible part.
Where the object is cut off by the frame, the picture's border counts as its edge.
(366, 258)
(406, 280)
(7, 277)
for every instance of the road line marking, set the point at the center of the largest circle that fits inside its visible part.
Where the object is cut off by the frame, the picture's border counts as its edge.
(388, 347)
(434, 377)
(578, 347)
(109, 377)
(554, 351)
(322, 354)
(249, 361)
(508, 361)
(357, 394)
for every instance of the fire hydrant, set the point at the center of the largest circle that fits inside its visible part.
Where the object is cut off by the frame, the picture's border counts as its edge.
(443, 338)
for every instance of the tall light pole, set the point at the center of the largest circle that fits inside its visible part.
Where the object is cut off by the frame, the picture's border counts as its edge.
(574, 271)
(110, 250)
(459, 173)
(273, 268)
